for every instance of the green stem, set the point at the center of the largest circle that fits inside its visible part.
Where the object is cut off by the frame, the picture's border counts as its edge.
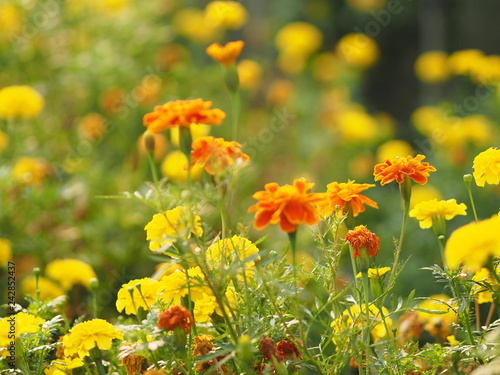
(235, 102)
(467, 180)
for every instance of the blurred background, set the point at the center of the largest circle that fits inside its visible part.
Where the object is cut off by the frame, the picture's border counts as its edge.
(328, 89)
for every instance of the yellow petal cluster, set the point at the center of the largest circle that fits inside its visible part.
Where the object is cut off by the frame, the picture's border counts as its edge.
(145, 298)
(69, 272)
(432, 67)
(85, 336)
(484, 286)
(487, 167)
(473, 244)
(358, 50)
(426, 211)
(20, 102)
(165, 228)
(30, 171)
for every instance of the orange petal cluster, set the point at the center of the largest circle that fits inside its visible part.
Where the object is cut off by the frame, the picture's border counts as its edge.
(216, 154)
(287, 205)
(400, 168)
(176, 317)
(182, 113)
(288, 350)
(226, 55)
(360, 237)
(346, 194)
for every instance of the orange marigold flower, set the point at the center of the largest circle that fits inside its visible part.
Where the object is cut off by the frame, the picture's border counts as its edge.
(287, 205)
(176, 317)
(226, 55)
(400, 168)
(216, 154)
(288, 350)
(361, 237)
(182, 113)
(346, 194)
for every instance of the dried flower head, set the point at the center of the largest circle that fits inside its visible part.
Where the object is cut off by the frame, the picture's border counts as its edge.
(400, 168)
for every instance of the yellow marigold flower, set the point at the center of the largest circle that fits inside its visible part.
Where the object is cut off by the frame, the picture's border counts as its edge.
(235, 249)
(48, 288)
(194, 25)
(5, 252)
(92, 127)
(165, 228)
(25, 323)
(484, 286)
(464, 61)
(298, 39)
(357, 50)
(30, 171)
(473, 244)
(4, 141)
(182, 113)
(90, 334)
(174, 166)
(345, 196)
(227, 54)
(216, 154)
(487, 167)
(431, 210)
(20, 102)
(400, 168)
(174, 286)
(432, 67)
(356, 125)
(355, 316)
(226, 14)
(132, 303)
(69, 272)
(287, 205)
(392, 148)
(11, 21)
(61, 366)
(375, 273)
(360, 237)
(204, 307)
(249, 74)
